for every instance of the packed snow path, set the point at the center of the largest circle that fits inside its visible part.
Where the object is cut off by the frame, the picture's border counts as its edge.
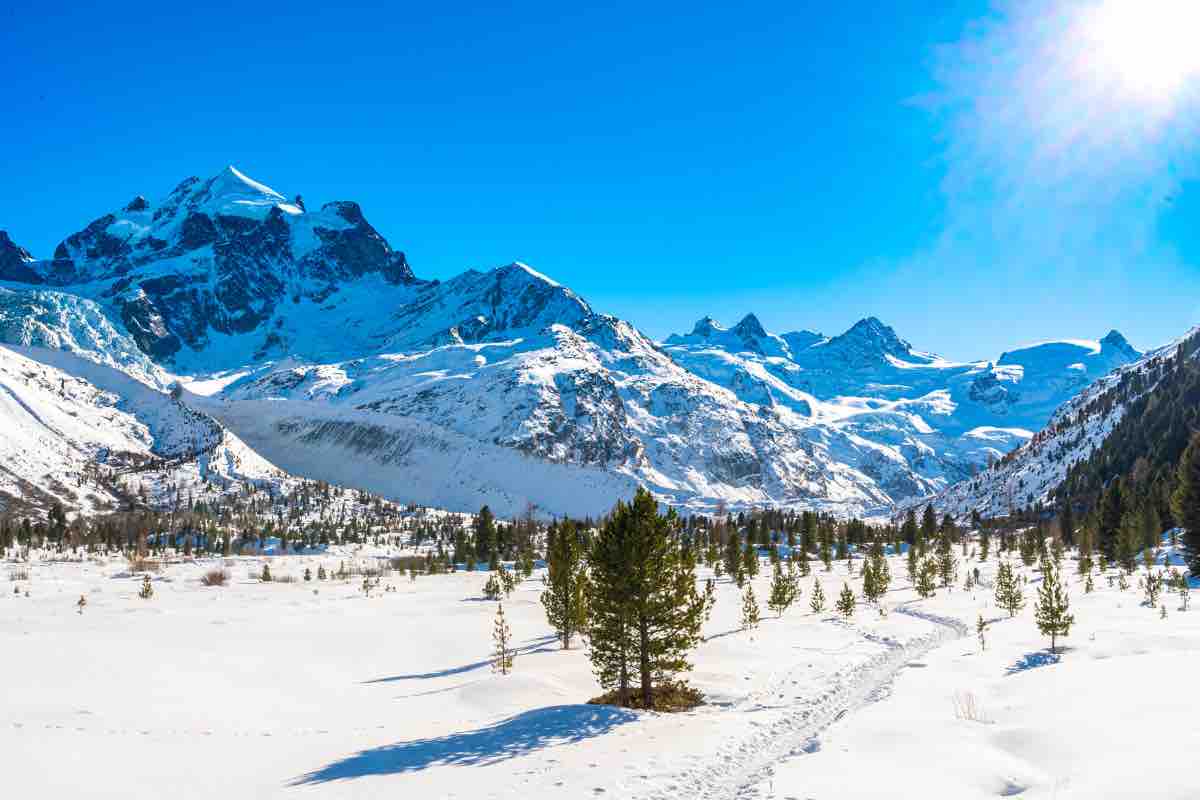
(795, 727)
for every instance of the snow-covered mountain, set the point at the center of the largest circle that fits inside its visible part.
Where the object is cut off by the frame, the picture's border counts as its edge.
(307, 336)
(1031, 474)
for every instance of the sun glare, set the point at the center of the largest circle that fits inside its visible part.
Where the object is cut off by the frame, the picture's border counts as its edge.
(1147, 48)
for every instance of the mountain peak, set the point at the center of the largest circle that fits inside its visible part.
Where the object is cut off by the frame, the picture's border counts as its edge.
(868, 341)
(16, 264)
(706, 326)
(750, 328)
(1116, 341)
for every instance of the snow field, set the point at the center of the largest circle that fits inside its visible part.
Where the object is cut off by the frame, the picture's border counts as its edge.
(272, 690)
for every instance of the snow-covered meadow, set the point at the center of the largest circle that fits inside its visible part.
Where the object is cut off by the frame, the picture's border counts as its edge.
(305, 689)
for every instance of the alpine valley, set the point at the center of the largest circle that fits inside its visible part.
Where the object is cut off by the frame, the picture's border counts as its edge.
(225, 333)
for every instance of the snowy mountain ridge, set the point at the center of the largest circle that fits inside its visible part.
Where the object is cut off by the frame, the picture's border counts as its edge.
(1077, 428)
(307, 335)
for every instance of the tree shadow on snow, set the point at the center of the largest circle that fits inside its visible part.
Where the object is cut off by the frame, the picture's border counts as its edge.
(1041, 658)
(516, 736)
(537, 645)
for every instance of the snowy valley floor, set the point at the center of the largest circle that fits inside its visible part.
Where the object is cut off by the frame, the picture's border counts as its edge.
(274, 690)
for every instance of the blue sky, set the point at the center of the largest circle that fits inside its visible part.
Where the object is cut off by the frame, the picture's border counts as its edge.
(811, 162)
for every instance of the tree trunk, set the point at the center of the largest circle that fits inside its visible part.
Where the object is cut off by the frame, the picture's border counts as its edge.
(647, 691)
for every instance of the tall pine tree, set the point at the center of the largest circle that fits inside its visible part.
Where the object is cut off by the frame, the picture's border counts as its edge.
(565, 598)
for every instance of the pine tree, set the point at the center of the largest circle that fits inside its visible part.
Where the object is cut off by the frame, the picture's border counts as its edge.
(869, 588)
(646, 614)
(508, 580)
(502, 652)
(845, 603)
(486, 538)
(492, 588)
(566, 578)
(926, 584)
(1066, 522)
(1088, 585)
(781, 593)
(883, 574)
(947, 567)
(750, 560)
(1008, 590)
(1185, 503)
(147, 591)
(733, 553)
(1108, 527)
(817, 603)
(1052, 610)
(321, 572)
(307, 574)
(750, 615)
(265, 577)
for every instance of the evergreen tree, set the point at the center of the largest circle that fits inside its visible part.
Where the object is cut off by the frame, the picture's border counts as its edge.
(1129, 538)
(817, 603)
(750, 616)
(926, 578)
(566, 577)
(645, 611)
(869, 588)
(781, 593)
(502, 652)
(1185, 503)
(1066, 522)
(147, 591)
(265, 577)
(947, 567)
(1007, 590)
(492, 588)
(750, 560)
(1052, 610)
(486, 539)
(980, 629)
(1108, 521)
(733, 553)
(845, 603)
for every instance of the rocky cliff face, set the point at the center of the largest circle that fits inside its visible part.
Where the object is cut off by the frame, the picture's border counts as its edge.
(216, 256)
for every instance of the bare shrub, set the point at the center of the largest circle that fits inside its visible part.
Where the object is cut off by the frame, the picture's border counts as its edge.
(18, 574)
(966, 706)
(215, 577)
(284, 579)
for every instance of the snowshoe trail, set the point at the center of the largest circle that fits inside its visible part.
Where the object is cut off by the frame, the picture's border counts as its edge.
(742, 766)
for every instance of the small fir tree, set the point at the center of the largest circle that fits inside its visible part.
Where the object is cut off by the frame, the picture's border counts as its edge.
(817, 603)
(980, 631)
(1008, 592)
(1052, 612)
(502, 653)
(147, 591)
(845, 603)
(750, 615)
(781, 593)
(265, 577)
(926, 578)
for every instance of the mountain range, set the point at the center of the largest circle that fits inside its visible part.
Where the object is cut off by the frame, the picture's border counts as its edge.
(232, 332)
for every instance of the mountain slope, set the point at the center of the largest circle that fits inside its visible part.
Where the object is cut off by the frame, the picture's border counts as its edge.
(1144, 410)
(305, 334)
